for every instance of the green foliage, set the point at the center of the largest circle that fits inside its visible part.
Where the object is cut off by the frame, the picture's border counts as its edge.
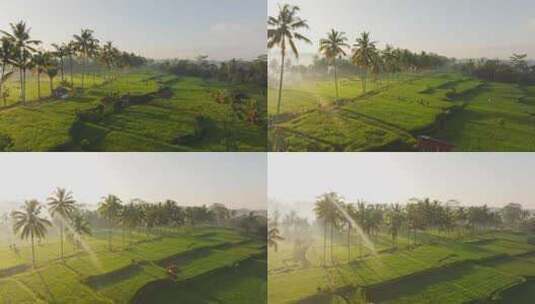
(6, 143)
(470, 114)
(135, 117)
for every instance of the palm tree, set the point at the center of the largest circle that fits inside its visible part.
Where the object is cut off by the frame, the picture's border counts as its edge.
(80, 227)
(282, 30)
(110, 208)
(361, 218)
(7, 58)
(83, 44)
(364, 55)
(351, 212)
(130, 217)
(70, 48)
(332, 48)
(93, 53)
(394, 221)
(61, 205)
(61, 51)
(108, 56)
(274, 237)
(40, 61)
(51, 72)
(28, 224)
(390, 59)
(326, 209)
(24, 46)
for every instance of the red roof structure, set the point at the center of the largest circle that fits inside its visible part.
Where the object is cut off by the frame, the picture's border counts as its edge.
(429, 144)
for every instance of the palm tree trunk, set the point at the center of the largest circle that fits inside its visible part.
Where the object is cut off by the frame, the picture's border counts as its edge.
(39, 85)
(364, 79)
(324, 243)
(83, 72)
(24, 85)
(61, 238)
(332, 237)
(33, 251)
(72, 77)
(336, 80)
(62, 69)
(349, 243)
(280, 84)
(21, 85)
(51, 86)
(109, 235)
(2, 81)
(360, 246)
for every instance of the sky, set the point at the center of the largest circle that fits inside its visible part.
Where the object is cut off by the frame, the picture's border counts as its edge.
(460, 28)
(236, 179)
(496, 179)
(221, 29)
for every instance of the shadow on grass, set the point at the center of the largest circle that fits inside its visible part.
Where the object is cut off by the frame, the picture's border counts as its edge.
(102, 281)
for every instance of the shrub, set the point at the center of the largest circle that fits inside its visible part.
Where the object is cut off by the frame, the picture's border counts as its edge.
(6, 143)
(94, 114)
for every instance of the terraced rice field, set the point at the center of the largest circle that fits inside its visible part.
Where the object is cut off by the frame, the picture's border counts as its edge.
(468, 113)
(203, 255)
(156, 123)
(439, 270)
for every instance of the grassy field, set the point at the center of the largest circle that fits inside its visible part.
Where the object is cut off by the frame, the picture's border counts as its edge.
(492, 267)
(471, 114)
(155, 123)
(229, 262)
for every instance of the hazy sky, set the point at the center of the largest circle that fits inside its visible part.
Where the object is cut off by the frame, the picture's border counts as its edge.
(236, 179)
(473, 178)
(221, 29)
(459, 28)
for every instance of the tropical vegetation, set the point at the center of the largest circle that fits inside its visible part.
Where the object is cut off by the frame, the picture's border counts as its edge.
(107, 99)
(130, 252)
(425, 249)
(389, 98)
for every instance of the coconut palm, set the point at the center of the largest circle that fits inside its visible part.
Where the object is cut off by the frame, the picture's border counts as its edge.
(110, 209)
(61, 206)
(70, 48)
(351, 212)
(40, 62)
(390, 59)
(24, 47)
(109, 55)
(7, 58)
(28, 223)
(84, 43)
(61, 51)
(51, 72)
(326, 210)
(283, 30)
(94, 53)
(394, 220)
(131, 216)
(274, 237)
(80, 227)
(333, 47)
(364, 55)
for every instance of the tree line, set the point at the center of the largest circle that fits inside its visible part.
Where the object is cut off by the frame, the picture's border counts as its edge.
(285, 29)
(73, 222)
(234, 70)
(515, 70)
(19, 52)
(335, 216)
